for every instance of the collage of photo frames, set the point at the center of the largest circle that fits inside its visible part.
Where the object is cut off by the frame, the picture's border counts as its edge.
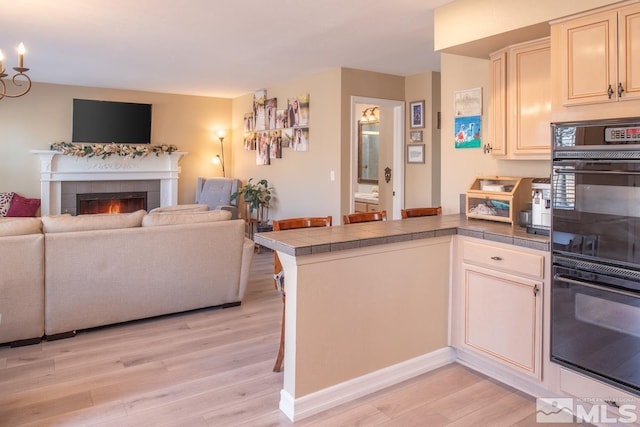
(270, 130)
(415, 148)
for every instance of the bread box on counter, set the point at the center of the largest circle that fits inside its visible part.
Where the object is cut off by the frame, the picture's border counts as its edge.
(498, 198)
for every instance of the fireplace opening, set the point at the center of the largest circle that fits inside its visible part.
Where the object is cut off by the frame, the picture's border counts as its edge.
(110, 203)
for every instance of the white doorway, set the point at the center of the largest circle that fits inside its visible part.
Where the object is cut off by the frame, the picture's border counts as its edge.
(391, 194)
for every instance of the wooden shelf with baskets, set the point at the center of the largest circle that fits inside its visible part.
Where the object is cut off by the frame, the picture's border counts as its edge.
(498, 198)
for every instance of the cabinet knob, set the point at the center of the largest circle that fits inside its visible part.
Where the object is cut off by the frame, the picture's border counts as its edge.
(536, 290)
(620, 90)
(496, 258)
(610, 91)
(486, 149)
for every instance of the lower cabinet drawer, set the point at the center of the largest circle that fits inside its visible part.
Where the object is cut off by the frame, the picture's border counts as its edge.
(503, 259)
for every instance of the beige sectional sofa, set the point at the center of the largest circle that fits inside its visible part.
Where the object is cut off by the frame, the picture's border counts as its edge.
(21, 279)
(97, 270)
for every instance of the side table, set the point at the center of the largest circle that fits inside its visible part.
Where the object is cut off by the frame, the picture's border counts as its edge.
(254, 226)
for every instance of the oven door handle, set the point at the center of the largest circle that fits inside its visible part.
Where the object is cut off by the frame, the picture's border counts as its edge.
(564, 279)
(596, 172)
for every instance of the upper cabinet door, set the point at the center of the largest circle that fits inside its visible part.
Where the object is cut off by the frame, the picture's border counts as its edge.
(589, 59)
(629, 51)
(498, 104)
(530, 100)
(520, 101)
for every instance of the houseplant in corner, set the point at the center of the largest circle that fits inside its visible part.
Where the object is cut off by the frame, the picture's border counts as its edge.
(256, 198)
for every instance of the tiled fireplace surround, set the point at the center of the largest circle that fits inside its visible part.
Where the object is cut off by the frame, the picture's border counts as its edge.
(62, 177)
(72, 188)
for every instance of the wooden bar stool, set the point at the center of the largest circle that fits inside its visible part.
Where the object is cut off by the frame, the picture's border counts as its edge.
(364, 217)
(414, 212)
(278, 272)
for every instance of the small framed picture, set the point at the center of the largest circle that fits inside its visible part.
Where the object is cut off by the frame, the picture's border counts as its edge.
(415, 153)
(415, 136)
(416, 111)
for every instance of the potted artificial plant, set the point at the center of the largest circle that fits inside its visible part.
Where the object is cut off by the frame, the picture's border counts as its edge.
(256, 198)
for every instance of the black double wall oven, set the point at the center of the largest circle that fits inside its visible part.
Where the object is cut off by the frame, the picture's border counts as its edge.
(595, 232)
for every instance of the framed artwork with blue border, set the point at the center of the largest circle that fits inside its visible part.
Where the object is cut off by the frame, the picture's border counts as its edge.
(416, 112)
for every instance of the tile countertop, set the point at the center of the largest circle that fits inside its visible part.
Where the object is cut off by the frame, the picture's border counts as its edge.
(306, 241)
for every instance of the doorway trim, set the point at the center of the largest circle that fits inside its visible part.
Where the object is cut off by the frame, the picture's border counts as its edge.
(397, 175)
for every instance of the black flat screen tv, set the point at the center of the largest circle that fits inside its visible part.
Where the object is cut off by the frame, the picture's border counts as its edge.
(111, 122)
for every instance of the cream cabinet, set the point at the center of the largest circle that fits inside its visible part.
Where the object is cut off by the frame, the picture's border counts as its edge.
(600, 56)
(497, 135)
(520, 101)
(366, 207)
(500, 305)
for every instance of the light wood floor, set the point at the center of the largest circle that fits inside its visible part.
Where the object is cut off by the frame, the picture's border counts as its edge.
(213, 368)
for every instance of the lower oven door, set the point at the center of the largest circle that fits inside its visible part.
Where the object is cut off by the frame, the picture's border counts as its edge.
(595, 329)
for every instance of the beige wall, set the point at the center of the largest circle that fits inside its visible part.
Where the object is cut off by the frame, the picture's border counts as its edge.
(371, 85)
(44, 116)
(465, 21)
(498, 23)
(460, 166)
(372, 325)
(423, 180)
(300, 179)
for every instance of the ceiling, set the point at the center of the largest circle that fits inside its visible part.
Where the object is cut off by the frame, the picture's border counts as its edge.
(220, 48)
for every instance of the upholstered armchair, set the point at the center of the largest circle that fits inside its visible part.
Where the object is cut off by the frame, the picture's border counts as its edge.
(216, 193)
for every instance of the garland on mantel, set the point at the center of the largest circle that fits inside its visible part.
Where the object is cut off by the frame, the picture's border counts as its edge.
(106, 150)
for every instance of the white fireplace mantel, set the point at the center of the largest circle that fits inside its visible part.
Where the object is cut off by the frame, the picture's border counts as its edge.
(56, 168)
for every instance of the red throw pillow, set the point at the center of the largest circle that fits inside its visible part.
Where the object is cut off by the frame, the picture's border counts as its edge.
(21, 206)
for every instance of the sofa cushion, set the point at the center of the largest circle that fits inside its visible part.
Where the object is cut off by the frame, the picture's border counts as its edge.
(22, 206)
(181, 208)
(20, 226)
(156, 219)
(5, 202)
(65, 223)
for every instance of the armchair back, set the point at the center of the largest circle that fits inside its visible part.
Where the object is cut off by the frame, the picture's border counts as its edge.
(216, 193)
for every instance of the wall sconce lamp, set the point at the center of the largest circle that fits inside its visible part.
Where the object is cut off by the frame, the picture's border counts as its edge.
(369, 115)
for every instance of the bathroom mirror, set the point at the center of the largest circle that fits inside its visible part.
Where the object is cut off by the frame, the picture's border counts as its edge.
(368, 135)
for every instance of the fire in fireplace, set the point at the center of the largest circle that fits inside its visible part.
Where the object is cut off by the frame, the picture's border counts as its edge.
(110, 203)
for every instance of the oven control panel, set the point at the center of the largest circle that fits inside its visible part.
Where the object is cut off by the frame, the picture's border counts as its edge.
(622, 135)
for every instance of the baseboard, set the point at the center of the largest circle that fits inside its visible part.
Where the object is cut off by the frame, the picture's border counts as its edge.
(504, 375)
(347, 391)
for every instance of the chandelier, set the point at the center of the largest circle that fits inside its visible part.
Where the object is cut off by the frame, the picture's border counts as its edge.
(19, 80)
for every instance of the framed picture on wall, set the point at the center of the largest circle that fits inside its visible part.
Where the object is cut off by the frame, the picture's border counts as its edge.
(415, 153)
(415, 136)
(416, 111)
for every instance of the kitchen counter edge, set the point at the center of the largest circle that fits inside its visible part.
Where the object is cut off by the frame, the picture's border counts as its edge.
(308, 241)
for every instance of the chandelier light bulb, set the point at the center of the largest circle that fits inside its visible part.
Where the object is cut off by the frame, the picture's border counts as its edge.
(20, 81)
(21, 51)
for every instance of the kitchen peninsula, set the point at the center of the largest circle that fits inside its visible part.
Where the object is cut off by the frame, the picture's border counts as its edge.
(368, 305)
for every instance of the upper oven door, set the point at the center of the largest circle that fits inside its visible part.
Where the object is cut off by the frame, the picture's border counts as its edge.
(596, 209)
